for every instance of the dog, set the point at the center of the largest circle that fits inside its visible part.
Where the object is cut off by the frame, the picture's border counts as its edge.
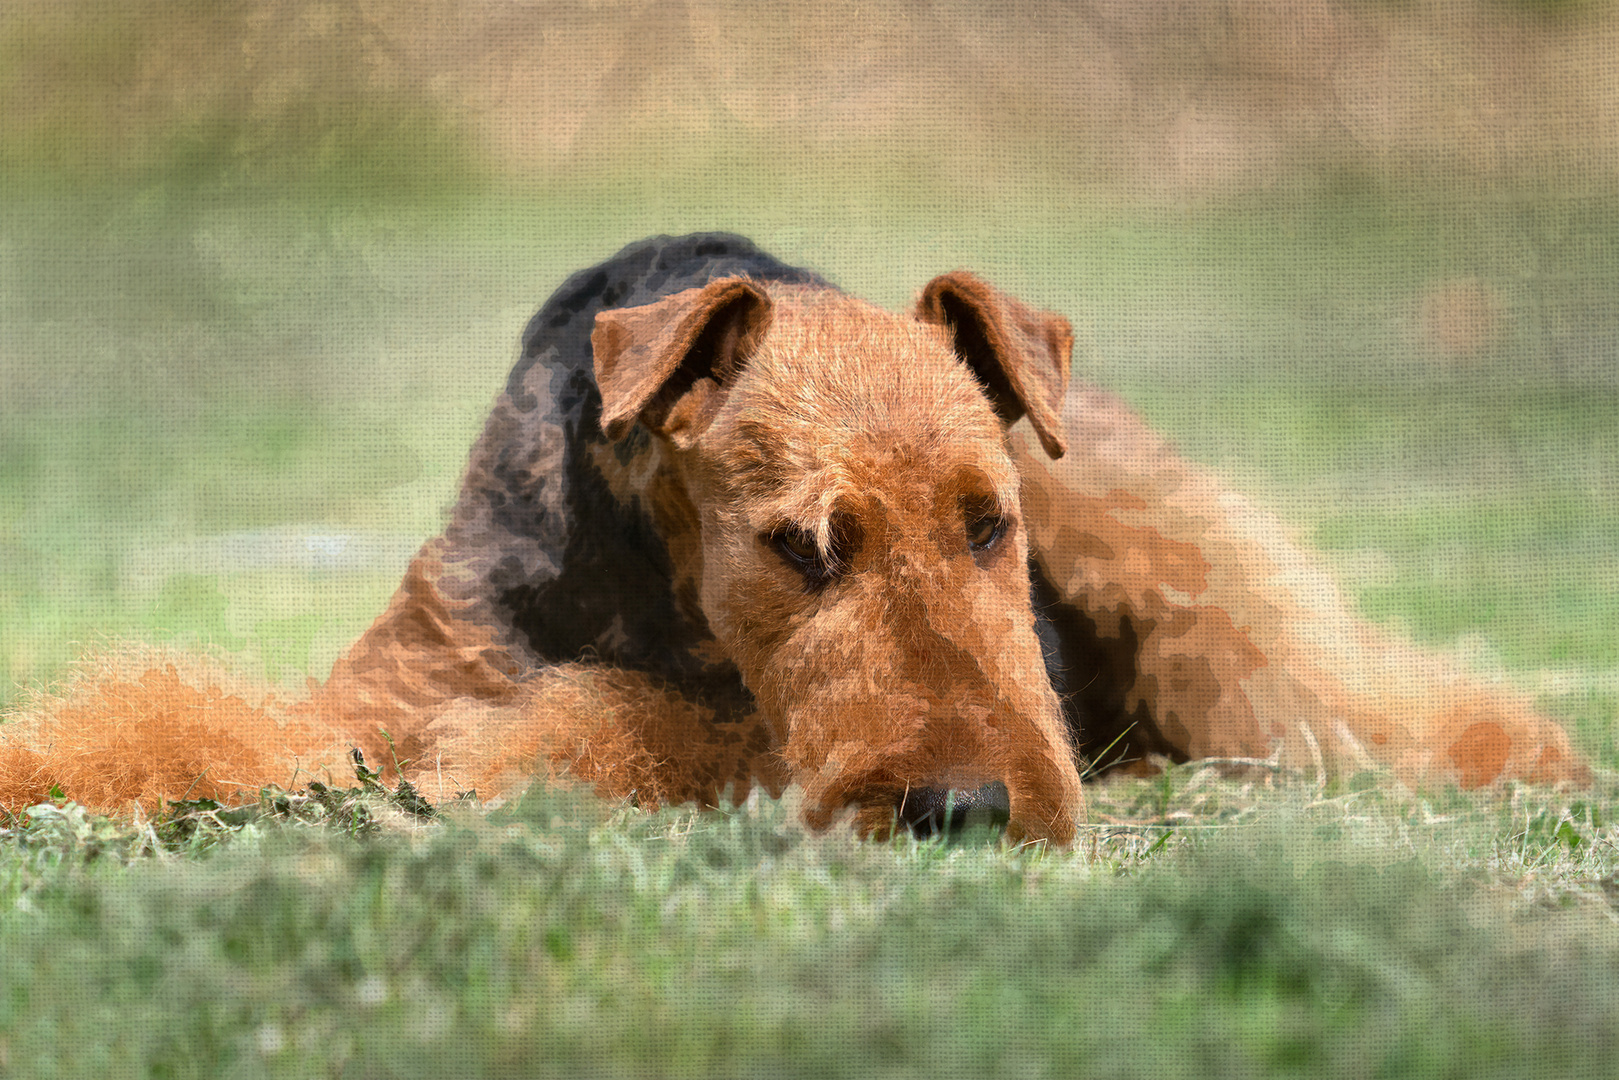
(728, 527)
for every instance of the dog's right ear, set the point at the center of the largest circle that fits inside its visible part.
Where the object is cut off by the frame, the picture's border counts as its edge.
(1020, 355)
(665, 362)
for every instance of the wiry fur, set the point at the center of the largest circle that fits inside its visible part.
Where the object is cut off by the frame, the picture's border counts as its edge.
(728, 526)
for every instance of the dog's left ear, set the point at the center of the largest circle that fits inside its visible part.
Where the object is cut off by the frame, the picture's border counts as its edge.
(1019, 354)
(664, 363)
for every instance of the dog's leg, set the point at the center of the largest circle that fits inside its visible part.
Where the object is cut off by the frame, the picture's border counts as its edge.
(1243, 646)
(629, 735)
(424, 652)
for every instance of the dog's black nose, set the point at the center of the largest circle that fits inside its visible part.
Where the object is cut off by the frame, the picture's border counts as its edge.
(927, 811)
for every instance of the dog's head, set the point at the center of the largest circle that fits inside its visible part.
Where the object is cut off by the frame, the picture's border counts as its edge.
(853, 529)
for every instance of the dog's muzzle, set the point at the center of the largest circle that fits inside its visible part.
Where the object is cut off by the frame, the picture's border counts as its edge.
(930, 811)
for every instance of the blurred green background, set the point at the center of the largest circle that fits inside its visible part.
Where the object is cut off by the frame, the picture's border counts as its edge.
(263, 267)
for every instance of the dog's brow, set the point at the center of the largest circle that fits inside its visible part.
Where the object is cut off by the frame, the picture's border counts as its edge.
(759, 464)
(986, 479)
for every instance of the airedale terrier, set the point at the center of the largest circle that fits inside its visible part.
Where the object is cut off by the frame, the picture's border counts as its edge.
(728, 525)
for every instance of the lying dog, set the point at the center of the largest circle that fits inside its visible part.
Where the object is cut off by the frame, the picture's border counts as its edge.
(728, 525)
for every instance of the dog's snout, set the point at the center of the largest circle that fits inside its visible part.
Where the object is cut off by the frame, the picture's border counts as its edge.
(929, 811)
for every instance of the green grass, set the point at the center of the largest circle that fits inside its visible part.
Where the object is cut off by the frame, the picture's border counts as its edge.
(1232, 931)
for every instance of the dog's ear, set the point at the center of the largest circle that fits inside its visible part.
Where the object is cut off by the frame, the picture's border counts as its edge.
(1020, 355)
(665, 362)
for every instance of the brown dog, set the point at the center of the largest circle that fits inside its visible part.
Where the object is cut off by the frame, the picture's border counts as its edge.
(728, 525)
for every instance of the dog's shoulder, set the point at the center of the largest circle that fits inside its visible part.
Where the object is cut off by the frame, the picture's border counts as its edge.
(539, 533)
(552, 388)
(559, 334)
(533, 467)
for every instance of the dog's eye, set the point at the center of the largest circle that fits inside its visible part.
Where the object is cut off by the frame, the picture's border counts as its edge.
(819, 566)
(798, 545)
(799, 550)
(984, 529)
